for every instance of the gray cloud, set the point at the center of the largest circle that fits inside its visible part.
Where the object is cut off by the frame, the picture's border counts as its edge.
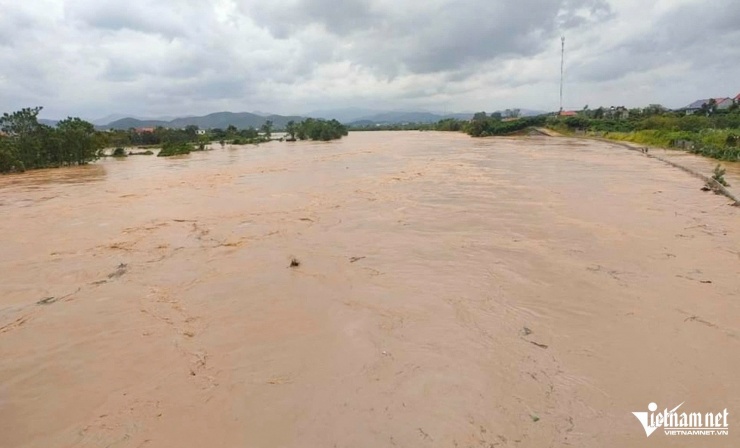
(339, 18)
(696, 35)
(95, 57)
(438, 36)
(116, 16)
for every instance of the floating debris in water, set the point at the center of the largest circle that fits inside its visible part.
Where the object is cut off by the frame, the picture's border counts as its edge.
(120, 270)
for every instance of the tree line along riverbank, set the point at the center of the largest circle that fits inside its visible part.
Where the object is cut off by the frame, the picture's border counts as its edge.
(27, 144)
(709, 133)
(714, 134)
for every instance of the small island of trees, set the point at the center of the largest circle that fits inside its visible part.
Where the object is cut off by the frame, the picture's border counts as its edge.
(316, 129)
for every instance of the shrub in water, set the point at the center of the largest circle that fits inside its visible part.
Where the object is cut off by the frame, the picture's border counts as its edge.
(174, 149)
(719, 175)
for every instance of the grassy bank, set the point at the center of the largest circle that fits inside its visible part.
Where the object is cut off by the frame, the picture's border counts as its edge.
(720, 144)
(715, 137)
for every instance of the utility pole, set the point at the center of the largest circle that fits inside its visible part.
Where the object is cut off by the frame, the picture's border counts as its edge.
(562, 65)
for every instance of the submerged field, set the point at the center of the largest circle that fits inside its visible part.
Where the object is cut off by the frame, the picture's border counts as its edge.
(509, 292)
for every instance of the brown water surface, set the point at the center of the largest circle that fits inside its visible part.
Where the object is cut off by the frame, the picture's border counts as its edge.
(511, 292)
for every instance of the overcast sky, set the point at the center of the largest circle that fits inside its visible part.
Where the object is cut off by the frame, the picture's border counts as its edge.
(91, 58)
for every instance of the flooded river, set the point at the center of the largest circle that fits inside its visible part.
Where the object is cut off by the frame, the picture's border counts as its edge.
(450, 292)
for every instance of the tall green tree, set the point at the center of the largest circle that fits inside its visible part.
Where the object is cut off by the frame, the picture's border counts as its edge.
(26, 136)
(267, 129)
(27, 144)
(313, 129)
(78, 142)
(291, 129)
(192, 132)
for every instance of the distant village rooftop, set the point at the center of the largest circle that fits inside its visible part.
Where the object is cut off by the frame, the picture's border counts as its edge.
(719, 103)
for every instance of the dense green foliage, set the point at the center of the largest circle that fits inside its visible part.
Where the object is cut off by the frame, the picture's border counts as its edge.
(291, 130)
(718, 144)
(710, 133)
(483, 125)
(317, 129)
(27, 144)
(175, 149)
(158, 136)
(267, 130)
(248, 136)
(637, 122)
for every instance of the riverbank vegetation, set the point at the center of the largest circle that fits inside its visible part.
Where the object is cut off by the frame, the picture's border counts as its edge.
(483, 125)
(309, 129)
(27, 144)
(370, 127)
(709, 133)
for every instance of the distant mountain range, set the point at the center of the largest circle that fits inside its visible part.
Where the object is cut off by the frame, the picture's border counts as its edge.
(368, 117)
(221, 120)
(104, 121)
(406, 117)
(242, 120)
(345, 115)
(361, 117)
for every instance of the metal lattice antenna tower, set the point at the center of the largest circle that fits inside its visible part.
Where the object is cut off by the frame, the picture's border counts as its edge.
(562, 65)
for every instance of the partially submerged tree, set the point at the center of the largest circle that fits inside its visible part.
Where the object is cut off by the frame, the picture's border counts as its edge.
(28, 144)
(719, 175)
(318, 129)
(267, 129)
(291, 129)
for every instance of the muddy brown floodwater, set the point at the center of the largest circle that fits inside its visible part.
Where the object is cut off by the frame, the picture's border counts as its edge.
(452, 292)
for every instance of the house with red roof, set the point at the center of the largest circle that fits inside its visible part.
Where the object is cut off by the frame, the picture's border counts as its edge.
(723, 103)
(719, 103)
